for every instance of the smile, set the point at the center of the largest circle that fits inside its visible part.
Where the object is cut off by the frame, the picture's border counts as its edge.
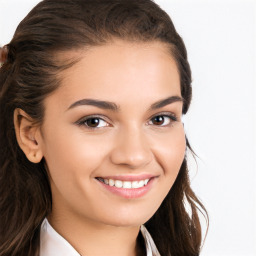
(127, 186)
(124, 184)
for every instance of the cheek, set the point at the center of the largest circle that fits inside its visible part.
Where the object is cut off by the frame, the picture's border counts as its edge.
(170, 153)
(72, 154)
(170, 148)
(73, 158)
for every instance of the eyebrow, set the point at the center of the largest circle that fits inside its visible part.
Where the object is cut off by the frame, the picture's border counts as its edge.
(97, 103)
(167, 101)
(114, 107)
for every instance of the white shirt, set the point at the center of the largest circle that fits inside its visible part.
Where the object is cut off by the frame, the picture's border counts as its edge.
(53, 244)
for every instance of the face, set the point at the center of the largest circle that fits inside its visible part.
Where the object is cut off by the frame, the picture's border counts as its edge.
(112, 135)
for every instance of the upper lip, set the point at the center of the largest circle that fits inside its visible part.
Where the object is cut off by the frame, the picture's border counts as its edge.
(129, 177)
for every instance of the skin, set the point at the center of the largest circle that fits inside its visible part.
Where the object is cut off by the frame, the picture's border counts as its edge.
(127, 142)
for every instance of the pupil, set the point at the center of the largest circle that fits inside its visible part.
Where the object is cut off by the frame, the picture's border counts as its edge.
(93, 122)
(158, 120)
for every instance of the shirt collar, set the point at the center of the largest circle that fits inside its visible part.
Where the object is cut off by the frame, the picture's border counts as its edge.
(52, 243)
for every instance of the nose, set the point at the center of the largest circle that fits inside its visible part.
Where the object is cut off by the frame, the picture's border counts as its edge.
(131, 149)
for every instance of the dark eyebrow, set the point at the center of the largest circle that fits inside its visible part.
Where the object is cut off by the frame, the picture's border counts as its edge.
(112, 106)
(96, 103)
(167, 101)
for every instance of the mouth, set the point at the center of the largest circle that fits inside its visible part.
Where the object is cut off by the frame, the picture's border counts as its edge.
(124, 183)
(127, 187)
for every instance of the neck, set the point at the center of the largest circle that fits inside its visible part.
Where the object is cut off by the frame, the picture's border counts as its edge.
(90, 238)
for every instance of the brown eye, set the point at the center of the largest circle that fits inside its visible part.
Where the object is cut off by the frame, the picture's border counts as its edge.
(158, 120)
(163, 120)
(92, 122)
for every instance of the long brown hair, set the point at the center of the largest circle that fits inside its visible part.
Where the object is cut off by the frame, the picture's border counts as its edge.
(30, 73)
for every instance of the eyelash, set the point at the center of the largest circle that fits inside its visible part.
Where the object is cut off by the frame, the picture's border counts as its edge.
(82, 122)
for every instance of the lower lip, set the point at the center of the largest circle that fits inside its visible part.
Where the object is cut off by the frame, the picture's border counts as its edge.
(129, 192)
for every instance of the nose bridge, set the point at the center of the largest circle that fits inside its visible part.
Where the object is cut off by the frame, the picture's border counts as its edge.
(132, 147)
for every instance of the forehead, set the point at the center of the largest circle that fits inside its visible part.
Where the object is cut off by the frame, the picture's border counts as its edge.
(121, 71)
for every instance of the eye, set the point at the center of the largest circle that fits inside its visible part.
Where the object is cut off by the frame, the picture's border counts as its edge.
(93, 122)
(162, 120)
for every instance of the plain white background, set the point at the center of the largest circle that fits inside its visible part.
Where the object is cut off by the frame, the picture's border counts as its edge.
(220, 37)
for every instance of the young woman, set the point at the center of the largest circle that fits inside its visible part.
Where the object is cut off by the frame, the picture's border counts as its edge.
(93, 150)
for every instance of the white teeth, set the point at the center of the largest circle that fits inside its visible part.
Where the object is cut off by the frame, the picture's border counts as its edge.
(146, 181)
(135, 184)
(111, 182)
(118, 184)
(141, 183)
(125, 184)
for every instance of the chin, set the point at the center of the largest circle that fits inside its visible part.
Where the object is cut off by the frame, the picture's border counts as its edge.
(125, 222)
(128, 218)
